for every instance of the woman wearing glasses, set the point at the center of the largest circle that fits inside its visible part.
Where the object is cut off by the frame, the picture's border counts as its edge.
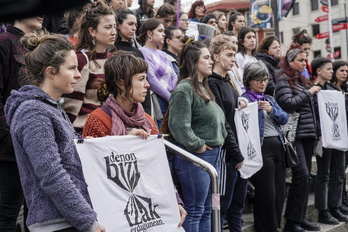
(269, 181)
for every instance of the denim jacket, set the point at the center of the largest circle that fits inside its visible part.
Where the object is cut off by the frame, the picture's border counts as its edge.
(279, 117)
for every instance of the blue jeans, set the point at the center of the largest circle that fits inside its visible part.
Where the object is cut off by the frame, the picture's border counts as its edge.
(164, 106)
(195, 184)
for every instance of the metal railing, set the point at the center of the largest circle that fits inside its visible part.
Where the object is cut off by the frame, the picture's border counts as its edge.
(216, 223)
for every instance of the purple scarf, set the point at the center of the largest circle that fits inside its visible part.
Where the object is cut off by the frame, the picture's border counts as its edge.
(255, 96)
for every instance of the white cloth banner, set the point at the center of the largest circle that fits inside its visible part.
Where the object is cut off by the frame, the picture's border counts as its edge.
(130, 183)
(333, 122)
(248, 133)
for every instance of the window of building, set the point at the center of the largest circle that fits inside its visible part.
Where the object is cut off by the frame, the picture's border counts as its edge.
(281, 35)
(334, 2)
(296, 9)
(315, 29)
(317, 54)
(314, 5)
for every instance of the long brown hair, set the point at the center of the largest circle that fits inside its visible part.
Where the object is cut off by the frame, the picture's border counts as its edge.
(188, 61)
(90, 19)
(292, 74)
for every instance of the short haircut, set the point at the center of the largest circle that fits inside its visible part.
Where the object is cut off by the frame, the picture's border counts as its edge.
(252, 71)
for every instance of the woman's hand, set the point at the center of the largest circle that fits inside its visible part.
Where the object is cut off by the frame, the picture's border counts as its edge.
(204, 148)
(239, 165)
(140, 132)
(314, 89)
(265, 105)
(183, 215)
(100, 229)
(242, 104)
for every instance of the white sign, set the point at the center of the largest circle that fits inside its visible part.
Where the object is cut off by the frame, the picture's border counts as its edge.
(130, 183)
(333, 121)
(248, 132)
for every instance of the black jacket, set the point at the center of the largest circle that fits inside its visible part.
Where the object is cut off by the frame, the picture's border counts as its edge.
(227, 98)
(299, 100)
(272, 66)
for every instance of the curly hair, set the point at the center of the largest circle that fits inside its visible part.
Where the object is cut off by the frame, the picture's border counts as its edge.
(302, 38)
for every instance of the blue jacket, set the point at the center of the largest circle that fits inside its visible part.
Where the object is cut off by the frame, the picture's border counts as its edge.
(279, 117)
(49, 166)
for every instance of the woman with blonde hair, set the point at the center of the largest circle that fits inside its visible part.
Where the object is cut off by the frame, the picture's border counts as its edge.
(233, 187)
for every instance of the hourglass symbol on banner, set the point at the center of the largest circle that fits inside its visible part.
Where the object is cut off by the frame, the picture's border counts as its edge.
(332, 111)
(250, 149)
(125, 174)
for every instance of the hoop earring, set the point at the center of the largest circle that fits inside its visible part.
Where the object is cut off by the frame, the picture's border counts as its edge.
(150, 38)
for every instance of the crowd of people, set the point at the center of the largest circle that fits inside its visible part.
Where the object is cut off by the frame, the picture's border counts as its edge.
(114, 71)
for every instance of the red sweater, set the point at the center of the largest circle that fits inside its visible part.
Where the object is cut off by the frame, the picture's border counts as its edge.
(99, 124)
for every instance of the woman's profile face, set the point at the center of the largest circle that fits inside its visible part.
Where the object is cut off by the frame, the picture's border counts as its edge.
(326, 71)
(183, 22)
(274, 49)
(342, 73)
(139, 87)
(226, 59)
(158, 35)
(204, 64)
(222, 23)
(66, 79)
(299, 63)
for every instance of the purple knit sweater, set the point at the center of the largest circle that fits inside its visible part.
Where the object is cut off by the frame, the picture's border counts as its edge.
(48, 163)
(161, 75)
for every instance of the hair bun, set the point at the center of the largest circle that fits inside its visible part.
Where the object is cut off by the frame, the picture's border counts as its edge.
(33, 39)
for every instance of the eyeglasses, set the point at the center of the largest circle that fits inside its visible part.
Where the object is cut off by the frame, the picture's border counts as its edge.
(259, 81)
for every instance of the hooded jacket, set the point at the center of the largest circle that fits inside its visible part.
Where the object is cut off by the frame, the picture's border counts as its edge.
(48, 162)
(227, 98)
